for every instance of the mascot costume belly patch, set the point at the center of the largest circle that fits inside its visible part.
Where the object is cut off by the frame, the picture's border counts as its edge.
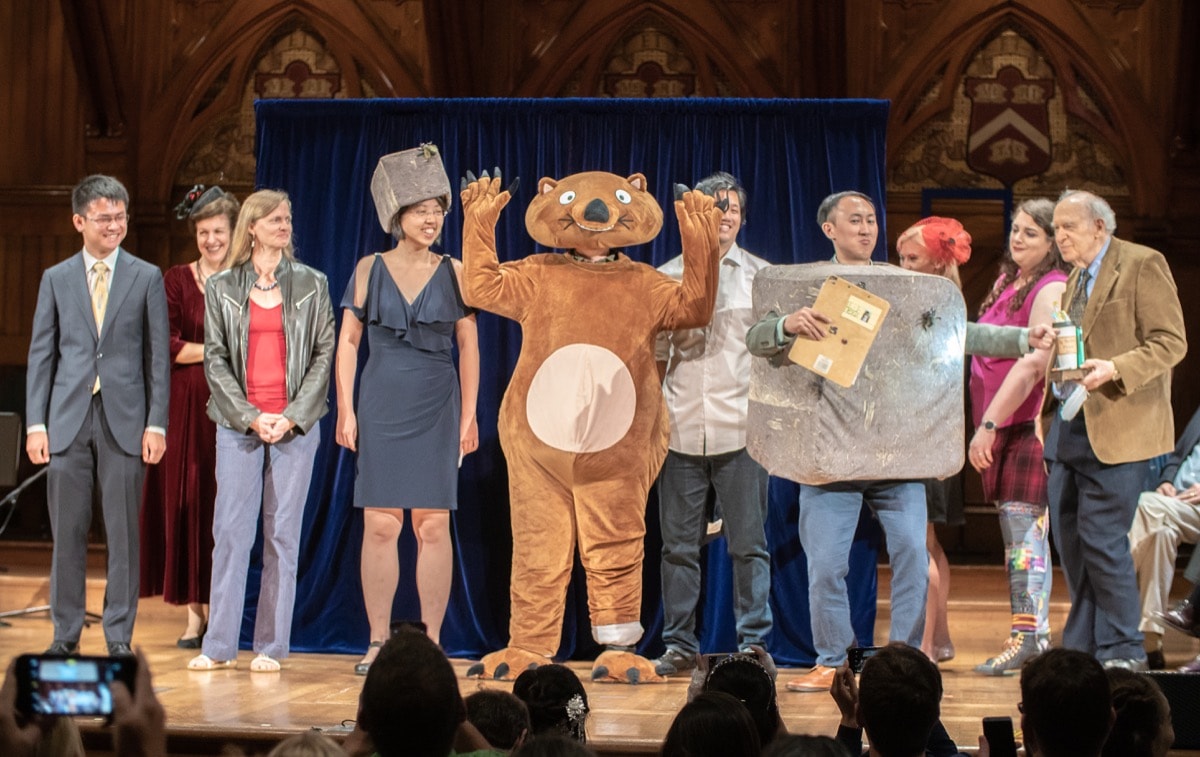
(583, 424)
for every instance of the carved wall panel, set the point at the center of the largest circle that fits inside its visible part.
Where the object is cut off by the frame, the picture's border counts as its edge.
(294, 63)
(649, 62)
(1032, 139)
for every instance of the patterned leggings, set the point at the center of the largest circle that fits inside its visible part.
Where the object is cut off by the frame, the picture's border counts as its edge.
(1026, 531)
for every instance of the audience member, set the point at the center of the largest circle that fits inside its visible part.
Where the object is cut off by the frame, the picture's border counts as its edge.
(1143, 717)
(552, 744)
(410, 704)
(138, 719)
(62, 739)
(898, 705)
(19, 737)
(1066, 708)
(804, 745)
(714, 724)
(501, 717)
(556, 700)
(310, 744)
(744, 677)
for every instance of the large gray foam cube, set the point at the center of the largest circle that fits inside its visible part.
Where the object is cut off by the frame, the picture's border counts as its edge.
(901, 419)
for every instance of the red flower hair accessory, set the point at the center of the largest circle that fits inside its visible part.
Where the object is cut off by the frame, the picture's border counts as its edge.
(945, 238)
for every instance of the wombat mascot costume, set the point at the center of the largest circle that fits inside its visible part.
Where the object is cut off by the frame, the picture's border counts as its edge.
(583, 424)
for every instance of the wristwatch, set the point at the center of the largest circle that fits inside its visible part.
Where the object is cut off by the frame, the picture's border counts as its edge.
(989, 425)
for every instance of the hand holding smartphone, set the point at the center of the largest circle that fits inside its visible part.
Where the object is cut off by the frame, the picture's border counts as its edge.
(856, 657)
(74, 685)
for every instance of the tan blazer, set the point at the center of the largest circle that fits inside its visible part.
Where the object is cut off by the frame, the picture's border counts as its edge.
(1133, 318)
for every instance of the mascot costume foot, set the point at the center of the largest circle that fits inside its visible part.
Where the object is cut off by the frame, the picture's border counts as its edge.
(583, 424)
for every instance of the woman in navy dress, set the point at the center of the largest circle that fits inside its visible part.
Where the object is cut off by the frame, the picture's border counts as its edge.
(177, 509)
(415, 416)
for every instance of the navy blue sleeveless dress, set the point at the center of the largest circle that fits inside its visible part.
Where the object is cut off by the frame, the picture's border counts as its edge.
(408, 400)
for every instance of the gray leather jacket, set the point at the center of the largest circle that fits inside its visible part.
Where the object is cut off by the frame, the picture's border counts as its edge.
(308, 336)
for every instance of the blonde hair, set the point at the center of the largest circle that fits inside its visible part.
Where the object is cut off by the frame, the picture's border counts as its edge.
(256, 207)
(309, 744)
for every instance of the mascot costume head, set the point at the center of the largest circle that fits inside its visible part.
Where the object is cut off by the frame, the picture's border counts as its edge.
(583, 424)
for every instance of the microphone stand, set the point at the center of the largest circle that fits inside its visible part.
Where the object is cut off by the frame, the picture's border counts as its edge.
(11, 500)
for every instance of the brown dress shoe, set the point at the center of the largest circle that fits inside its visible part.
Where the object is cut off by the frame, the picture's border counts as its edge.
(820, 678)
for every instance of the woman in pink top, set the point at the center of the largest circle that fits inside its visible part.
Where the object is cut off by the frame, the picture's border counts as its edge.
(1005, 396)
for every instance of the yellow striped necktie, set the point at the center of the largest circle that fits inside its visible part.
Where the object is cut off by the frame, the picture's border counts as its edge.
(99, 302)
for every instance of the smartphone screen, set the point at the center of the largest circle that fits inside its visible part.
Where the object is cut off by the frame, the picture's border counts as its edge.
(999, 734)
(52, 685)
(857, 656)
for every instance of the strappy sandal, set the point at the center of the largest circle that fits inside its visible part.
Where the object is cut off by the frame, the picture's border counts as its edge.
(204, 662)
(361, 668)
(265, 664)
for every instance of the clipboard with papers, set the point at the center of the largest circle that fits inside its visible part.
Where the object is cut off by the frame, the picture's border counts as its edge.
(857, 317)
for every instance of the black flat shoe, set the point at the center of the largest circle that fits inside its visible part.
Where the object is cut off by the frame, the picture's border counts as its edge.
(63, 648)
(361, 668)
(193, 642)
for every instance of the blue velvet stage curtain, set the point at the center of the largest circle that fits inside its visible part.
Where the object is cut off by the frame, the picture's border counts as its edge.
(788, 153)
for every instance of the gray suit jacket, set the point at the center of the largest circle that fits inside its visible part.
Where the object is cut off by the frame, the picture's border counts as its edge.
(131, 355)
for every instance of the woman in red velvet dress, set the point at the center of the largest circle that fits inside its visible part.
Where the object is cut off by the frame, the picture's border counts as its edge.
(177, 509)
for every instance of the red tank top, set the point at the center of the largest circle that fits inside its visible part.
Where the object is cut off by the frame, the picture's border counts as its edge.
(266, 360)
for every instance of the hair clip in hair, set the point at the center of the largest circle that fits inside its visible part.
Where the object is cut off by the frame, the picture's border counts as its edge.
(184, 209)
(576, 715)
(576, 709)
(196, 198)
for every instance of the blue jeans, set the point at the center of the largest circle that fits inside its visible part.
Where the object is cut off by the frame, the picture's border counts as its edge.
(828, 517)
(740, 485)
(254, 476)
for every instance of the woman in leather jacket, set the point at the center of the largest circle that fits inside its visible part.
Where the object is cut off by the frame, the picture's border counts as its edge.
(268, 348)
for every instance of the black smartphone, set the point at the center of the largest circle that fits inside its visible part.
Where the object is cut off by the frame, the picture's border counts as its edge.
(999, 734)
(856, 656)
(61, 685)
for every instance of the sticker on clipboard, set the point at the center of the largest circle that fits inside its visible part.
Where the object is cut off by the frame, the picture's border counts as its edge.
(839, 356)
(862, 312)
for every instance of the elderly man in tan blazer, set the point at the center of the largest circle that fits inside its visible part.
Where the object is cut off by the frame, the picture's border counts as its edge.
(1124, 298)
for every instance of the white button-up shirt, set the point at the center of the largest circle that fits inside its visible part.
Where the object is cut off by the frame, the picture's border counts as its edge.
(708, 369)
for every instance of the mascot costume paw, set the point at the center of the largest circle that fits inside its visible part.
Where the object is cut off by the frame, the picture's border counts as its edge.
(583, 424)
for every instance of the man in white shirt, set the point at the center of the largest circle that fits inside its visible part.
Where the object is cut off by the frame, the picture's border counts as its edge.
(706, 384)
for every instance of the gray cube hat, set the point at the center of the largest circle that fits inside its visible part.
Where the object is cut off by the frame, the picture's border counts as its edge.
(407, 177)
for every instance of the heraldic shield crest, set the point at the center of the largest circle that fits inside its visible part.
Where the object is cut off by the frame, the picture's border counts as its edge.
(1009, 134)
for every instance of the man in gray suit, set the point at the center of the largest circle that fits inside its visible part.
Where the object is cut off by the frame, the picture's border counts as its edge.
(96, 400)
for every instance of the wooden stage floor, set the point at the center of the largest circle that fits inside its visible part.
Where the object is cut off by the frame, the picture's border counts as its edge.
(320, 691)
